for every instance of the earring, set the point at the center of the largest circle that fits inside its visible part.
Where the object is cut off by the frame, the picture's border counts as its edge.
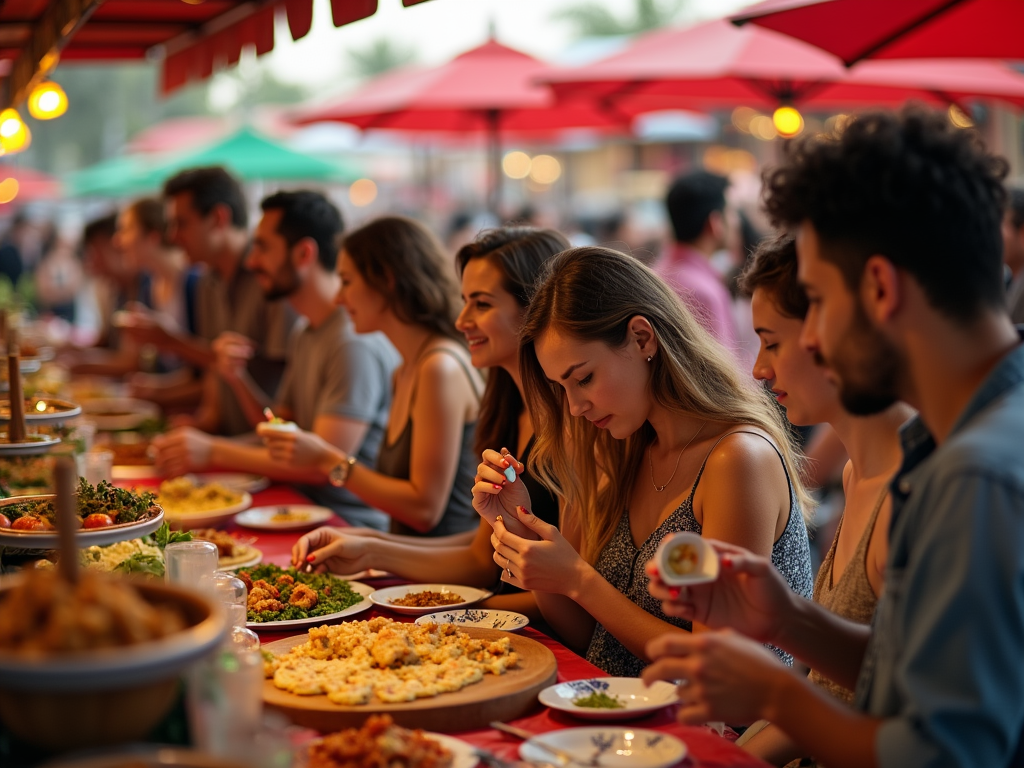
(649, 358)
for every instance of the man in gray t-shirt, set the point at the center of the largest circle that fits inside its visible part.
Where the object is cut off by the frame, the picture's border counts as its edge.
(337, 384)
(333, 371)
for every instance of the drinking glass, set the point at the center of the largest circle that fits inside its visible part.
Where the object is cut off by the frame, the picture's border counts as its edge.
(189, 563)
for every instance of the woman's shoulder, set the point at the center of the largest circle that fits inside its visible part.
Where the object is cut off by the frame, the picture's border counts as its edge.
(444, 360)
(740, 450)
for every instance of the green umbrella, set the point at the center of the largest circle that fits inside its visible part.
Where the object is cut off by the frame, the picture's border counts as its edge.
(252, 156)
(116, 177)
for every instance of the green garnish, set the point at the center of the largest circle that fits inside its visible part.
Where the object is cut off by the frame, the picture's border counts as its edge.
(123, 506)
(337, 597)
(597, 700)
(149, 565)
(163, 536)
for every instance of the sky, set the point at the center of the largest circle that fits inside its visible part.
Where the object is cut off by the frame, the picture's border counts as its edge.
(440, 29)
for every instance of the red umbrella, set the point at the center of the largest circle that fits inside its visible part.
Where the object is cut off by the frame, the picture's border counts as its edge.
(907, 29)
(717, 65)
(490, 89)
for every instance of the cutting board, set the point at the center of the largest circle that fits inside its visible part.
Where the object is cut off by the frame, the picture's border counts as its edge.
(496, 697)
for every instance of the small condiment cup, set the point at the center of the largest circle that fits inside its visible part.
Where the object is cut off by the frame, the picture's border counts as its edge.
(685, 558)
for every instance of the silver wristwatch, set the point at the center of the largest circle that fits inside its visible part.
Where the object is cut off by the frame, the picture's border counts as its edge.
(339, 474)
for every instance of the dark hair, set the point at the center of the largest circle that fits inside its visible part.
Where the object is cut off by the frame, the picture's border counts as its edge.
(520, 254)
(773, 269)
(151, 216)
(691, 199)
(210, 187)
(305, 213)
(403, 261)
(1015, 206)
(910, 187)
(104, 227)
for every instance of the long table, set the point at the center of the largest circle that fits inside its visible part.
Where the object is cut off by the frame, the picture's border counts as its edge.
(706, 748)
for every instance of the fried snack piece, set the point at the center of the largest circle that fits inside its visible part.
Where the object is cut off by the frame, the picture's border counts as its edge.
(378, 743)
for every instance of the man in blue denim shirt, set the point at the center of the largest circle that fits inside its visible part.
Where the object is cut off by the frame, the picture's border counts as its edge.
(898, 238)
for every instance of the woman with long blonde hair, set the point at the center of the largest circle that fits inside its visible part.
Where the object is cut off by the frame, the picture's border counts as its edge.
(675, 438)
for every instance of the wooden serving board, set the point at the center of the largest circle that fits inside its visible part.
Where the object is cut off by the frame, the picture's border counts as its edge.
(496, 697)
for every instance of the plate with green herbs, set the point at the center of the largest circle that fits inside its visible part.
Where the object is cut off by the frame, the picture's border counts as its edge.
(284, 598)
(609, 698)
(107, 514)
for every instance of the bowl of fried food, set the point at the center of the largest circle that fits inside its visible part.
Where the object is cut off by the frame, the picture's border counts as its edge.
(97, 661)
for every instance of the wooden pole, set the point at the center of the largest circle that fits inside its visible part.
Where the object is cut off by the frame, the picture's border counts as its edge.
(16, 426)
(65, 477)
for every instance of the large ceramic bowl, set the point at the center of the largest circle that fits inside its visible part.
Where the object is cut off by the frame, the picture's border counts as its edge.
(109, 695)
(112, 414)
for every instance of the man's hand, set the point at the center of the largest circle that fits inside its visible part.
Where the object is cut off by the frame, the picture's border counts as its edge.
(183, 450)
(233, 351)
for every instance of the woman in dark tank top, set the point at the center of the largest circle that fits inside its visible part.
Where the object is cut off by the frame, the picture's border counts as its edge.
(498, 270)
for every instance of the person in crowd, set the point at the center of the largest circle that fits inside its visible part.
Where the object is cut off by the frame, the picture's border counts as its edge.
(904, 280)
(850, 578)
(207, 218)
(1013, 252)
(498, 271)
(673, 438)
(395, 278)
(336, 384)
(58, 276)
(702, 224)
(12, 263)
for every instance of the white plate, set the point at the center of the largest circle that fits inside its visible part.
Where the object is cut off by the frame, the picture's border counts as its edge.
(315, 621)
(114, 414)
(67, 410)
(609, 747)
(83, 538)
(507, 621)
(236, 481)
(470, 595)
(38, 444)
(303, 516)
(637, 699)
(256, 559)
(208, 518)
(463, 753)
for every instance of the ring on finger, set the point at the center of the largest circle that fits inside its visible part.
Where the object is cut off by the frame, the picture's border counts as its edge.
(508, 567)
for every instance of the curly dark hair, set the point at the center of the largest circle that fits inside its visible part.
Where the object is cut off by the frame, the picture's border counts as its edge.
(772, 268)
(910, 187)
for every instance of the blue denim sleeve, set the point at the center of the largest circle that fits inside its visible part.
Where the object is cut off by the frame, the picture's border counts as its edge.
(958, 617)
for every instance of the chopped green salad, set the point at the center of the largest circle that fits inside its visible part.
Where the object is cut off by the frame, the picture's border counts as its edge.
(285, 594)
(599, 700)
(121, 505)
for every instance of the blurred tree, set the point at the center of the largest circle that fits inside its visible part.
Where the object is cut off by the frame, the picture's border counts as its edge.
(595, 20)
(378, 57)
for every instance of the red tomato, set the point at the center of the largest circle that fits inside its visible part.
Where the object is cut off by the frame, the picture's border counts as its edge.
(4, 521)
(30, 523)
(97, 520)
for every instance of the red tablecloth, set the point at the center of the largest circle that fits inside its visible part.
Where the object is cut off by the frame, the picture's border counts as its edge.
(706, 748)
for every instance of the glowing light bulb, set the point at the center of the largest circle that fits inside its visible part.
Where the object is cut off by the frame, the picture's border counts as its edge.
(47, 101)
(14, 134)
(787, 121)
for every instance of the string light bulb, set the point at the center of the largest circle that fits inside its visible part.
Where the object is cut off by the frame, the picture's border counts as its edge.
(14, 134)
(787, 121)
(47, 101)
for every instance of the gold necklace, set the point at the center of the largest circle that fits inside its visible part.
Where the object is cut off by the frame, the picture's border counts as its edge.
(650, 460)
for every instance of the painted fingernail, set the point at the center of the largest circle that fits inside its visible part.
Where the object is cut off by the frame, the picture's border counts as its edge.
(674, 592)
(497, 519)
(310, 558)
(524, 511)
(510, 474)
(497, 486)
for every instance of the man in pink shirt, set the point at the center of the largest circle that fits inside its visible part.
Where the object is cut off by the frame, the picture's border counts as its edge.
(697, 210)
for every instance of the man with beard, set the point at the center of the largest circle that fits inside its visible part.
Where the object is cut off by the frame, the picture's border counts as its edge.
(336, 383)
(898, 236)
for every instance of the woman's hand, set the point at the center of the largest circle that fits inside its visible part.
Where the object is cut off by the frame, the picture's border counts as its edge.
(299, 448)
(494, 494)
(725, 677)
(183, 450)
(547, 564)
(749, 595)
(330, 549)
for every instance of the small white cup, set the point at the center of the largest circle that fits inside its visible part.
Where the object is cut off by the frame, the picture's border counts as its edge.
(96, 466)
(276, 426)
(685, 558)
(191, 563)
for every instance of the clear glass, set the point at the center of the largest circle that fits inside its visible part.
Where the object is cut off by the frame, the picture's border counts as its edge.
(96, 466)
(231, 592)
(189, 563)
